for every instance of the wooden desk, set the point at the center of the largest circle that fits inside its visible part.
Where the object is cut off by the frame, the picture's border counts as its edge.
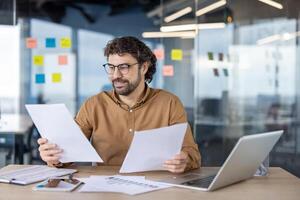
(278, 185)
(13, 129)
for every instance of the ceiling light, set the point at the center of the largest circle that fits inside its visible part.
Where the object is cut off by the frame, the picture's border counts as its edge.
(272, 3)
(211, 7)
(188, 27)
(178, 14)
(283, 37)
(268, 39)
(184, 27)
(189, 34)
(211, 25)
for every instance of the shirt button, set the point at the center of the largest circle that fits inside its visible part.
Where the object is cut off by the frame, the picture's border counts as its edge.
(130, 110)
(130, 130)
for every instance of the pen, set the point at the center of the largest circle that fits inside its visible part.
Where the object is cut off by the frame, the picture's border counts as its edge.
(40, 186)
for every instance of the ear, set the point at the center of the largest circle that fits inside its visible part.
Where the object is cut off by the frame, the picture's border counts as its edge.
(145, 67)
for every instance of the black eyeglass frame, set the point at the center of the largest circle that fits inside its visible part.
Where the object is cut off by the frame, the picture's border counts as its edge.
(123, 68)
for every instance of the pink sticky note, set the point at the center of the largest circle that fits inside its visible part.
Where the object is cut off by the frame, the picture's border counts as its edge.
(31, 43)
(168, 70)
(159, 53)
(62, 60)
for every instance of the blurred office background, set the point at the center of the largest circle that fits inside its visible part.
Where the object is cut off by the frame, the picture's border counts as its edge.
(234, 64)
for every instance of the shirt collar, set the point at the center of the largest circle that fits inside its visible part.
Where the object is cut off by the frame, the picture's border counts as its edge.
(142, 100)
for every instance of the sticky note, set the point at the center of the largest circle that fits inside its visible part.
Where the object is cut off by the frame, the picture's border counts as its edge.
(62, 59)
(216, 72)
(225, 71)
(176, 54)
(210, 56)
(159, 54)
(56, 77)
(220, 56)
(50, 43)
(40, 78)
(31, 43)
(168, 70)
(38, 60)
(65, 42)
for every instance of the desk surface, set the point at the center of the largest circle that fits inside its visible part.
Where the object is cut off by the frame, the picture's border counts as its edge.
(15, 124)
(278, 185)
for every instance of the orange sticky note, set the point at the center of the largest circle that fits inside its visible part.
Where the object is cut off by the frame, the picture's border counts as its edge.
(31, 43)
(62, 60)
(168, 70)
(56, 77)
(65, 42)
(38, 60)
(159, 54)
(176, 54)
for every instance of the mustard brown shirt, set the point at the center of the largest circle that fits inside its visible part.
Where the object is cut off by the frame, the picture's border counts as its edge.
(110, 124)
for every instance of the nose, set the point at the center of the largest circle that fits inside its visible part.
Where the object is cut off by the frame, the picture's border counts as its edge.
(116, 74)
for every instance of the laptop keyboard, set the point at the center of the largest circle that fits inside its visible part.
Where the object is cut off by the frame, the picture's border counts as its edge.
(202, 182)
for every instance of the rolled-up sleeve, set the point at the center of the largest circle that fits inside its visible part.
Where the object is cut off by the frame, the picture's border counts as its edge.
(178, 115)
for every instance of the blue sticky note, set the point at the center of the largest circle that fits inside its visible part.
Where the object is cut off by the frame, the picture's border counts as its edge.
(40, 78)
(50, 43)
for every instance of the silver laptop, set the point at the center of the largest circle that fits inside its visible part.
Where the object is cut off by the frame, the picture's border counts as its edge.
(241, 164)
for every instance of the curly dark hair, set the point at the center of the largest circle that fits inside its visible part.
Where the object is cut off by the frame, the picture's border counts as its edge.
(137, 49)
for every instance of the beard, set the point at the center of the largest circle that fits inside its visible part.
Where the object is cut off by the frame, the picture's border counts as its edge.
(125, 87)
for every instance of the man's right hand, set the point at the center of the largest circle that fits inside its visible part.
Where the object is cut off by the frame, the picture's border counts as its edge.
(50, 153)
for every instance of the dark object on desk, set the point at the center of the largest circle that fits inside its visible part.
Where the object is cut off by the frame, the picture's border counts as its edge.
(58, 184)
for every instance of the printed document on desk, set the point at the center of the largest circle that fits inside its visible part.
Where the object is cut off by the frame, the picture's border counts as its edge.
(131, 185)
(55, 123)
(151, 148)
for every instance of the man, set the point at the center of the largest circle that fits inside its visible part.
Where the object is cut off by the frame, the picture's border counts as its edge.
(109, 119)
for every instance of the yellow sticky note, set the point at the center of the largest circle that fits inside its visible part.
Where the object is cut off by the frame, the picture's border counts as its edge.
(65, 42)
(176, 54)
(56, 77)
(38, 60)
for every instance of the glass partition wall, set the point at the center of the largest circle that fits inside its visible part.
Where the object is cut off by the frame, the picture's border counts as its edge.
(239, 74)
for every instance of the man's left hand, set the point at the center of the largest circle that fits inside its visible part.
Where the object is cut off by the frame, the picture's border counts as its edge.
(177, 164)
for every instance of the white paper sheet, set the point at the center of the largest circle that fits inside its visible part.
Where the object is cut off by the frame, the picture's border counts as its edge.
(86, 179)
(151, 148)
(121, 184)
(55, 123)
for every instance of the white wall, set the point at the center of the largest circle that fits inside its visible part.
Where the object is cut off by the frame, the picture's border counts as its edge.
(9, 68)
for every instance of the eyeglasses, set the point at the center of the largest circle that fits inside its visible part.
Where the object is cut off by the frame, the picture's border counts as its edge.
(123, 68)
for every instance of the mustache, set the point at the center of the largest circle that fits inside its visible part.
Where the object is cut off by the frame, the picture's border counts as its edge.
(119, 80)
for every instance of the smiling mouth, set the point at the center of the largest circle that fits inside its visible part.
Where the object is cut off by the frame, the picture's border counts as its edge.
(119, 84)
